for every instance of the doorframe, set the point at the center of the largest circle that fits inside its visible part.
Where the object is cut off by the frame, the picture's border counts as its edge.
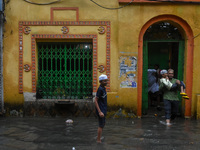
(180, 71)
(189, 60)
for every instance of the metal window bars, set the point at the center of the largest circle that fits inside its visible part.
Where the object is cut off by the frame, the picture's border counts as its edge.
(64, 70)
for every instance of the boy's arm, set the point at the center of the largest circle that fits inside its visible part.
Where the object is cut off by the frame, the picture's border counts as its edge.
(97, 106)
(175, 86)
(167, 83)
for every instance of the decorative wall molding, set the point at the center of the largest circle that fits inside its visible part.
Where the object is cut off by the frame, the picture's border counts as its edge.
(23, 24)
(27, 30)
(65, 30)
(101, 68)
(61, 36)
(101, 30)
(27, 67)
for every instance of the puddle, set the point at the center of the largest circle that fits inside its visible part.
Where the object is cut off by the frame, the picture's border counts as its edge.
(118, 134)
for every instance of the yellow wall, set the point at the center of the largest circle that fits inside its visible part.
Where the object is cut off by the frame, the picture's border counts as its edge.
(126, 24)
(131, 20)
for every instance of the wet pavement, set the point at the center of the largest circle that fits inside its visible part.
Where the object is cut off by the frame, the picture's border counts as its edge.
(119, 134)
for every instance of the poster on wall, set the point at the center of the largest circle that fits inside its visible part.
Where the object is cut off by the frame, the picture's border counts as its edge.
(127, 74)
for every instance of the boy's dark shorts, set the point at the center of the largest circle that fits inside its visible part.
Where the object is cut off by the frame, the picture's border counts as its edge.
(182, 84)
(102, 121)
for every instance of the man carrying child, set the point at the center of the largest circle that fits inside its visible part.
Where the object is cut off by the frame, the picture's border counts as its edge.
(170, 87)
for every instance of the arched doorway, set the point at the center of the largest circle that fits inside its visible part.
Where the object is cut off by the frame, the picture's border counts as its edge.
(163, 46)
(188, 34)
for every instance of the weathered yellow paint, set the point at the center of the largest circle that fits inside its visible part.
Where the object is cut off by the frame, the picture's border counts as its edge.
(62, 15)
(198, 107)
(126, 24)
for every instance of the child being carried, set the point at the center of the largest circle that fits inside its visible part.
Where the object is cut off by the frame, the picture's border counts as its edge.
(169, 85)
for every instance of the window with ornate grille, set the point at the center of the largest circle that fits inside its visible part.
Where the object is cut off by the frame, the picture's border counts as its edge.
(65, 70)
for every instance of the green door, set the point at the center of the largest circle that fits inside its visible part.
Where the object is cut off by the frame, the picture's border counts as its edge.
(144, 79)
(158, 53)
(168, 54)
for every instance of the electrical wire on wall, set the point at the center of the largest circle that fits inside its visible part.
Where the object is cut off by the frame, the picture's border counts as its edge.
(42, 3)
(111, 8)
(196, 36)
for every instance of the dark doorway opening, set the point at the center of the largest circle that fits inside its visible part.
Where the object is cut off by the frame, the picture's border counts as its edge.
(165, 54)
(163, 44)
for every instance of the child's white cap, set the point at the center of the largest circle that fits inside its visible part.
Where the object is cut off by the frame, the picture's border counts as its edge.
(163, 72)
(103, 77)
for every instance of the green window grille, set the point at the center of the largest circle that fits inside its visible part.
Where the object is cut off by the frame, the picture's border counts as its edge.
(64, 70)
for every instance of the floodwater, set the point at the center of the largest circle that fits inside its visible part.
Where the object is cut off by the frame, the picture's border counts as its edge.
(118, 134)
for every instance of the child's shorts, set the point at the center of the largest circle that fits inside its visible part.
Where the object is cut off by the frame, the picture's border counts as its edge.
(102, 121)
(182, 84)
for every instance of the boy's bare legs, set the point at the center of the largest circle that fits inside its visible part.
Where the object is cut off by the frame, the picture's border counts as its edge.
(99, 133)
(182, 89)
(183, 94)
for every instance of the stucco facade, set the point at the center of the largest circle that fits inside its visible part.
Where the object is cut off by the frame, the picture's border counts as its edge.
(117, 38)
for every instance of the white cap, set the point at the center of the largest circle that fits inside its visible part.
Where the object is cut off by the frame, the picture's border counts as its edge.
(163, 71)
(103, 77)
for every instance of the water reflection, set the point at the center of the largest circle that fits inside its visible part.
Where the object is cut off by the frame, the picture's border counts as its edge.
(119, 134)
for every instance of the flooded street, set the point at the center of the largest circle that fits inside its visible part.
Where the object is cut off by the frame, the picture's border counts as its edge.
(118, 134)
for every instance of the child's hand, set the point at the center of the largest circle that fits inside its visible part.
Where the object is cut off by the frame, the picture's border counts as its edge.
(178, 82)
(101, 114)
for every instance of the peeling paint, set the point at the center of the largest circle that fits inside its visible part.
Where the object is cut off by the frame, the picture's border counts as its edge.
(128, 67)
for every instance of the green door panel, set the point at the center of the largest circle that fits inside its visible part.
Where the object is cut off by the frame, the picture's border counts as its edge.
(144, 79)
(180, 72)
(158, 53)
(168, 54)
(181, 60)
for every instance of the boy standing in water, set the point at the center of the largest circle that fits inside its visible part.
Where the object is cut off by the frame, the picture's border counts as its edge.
(101, 105)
